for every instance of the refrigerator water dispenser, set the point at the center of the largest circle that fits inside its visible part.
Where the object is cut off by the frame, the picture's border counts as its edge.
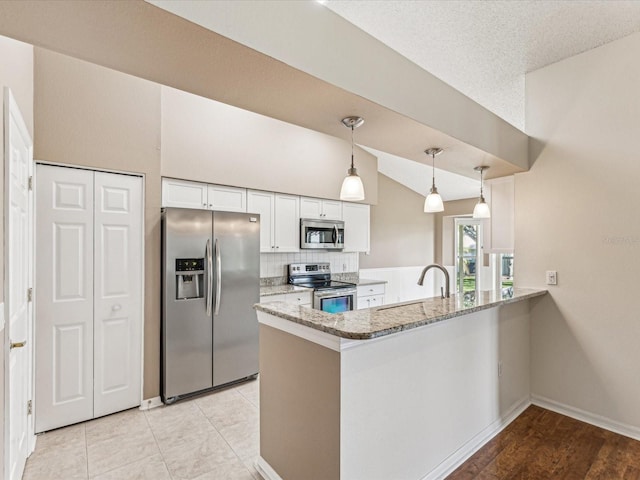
(189, 278)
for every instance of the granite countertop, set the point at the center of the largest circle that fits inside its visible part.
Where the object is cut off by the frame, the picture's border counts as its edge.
(387, 319)
(367, 281)
(282, 289)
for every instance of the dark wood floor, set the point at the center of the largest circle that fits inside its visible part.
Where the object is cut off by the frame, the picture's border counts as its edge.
(544, 445)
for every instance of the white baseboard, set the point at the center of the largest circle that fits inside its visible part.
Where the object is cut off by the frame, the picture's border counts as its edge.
(588, 417)
(472, 446)
(265, 470)
(150, 403)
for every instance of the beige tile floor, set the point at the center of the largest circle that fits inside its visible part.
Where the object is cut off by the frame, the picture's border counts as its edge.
(212, 437)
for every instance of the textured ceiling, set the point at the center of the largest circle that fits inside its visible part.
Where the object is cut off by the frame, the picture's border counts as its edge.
(484, 48)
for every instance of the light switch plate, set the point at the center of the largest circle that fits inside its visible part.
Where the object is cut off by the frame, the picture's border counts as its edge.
(552, 277)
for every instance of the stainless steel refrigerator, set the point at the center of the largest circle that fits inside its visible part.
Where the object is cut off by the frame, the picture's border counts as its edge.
(211, 280)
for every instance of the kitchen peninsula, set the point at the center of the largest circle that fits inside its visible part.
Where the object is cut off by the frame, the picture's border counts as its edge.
(403, 391)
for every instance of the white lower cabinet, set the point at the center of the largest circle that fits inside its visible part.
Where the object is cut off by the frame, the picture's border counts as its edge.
(370, 296)
(279, 220)
(88, 311)
(295, 298)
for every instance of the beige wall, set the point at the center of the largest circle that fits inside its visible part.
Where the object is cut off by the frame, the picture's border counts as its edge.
(300, 406)
(445, 228)
(92, 116)
(16, 72)
(576, 212)
(401, 233)
(209, 141)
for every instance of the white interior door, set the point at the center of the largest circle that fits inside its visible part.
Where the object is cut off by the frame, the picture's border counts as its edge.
(118, 292)
(18, 169)
(64, 305)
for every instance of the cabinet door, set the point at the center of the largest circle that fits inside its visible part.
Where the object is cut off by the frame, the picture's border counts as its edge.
(356, 227)
(332, 209)
(64, 303)
(310, 208)
(183, 194)
(117, 292)
(227, 199)
(264, 204)
(287, 223)
(498, 230)
(299, 298)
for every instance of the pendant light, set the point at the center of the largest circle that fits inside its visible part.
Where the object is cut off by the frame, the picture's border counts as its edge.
(481, 209)
(433, 202)
(352, 188)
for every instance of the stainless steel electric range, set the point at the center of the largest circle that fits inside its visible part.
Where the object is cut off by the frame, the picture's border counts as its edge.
(328, 295)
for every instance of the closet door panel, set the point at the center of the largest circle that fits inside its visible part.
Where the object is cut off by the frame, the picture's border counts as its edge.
(64, 296)
(118, 292)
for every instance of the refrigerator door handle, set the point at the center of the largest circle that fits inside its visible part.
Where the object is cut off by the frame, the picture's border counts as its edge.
(218, 277)
(209, 277)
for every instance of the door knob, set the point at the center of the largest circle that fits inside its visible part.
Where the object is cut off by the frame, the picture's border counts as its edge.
(17, 344)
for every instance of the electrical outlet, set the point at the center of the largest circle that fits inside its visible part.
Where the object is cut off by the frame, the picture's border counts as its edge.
(499, 369)
(552, 277)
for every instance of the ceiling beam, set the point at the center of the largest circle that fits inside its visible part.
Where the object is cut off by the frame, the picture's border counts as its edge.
(405, 108)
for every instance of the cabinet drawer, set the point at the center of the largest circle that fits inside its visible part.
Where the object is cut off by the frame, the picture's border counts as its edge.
(274, 298)
(373, 289)
(295, 298)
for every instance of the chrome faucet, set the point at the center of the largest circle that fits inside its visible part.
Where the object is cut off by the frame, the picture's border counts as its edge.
(446, 278)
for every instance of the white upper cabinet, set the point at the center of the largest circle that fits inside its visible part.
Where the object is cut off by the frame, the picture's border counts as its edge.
(228, 199)
(498, 230)
(287, 223)
(356, 227)
(185, 194)
(319, 208)
(279, 220)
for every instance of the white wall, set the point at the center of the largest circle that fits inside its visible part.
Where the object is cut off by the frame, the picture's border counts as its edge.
(577, 212)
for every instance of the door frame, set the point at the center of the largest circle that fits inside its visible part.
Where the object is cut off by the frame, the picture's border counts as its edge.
(31, 437)
(142, 262)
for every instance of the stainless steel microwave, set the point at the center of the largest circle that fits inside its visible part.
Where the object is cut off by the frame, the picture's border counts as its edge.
(321, 234)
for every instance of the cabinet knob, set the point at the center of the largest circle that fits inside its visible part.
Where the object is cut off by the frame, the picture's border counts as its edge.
(204, 204)
(277, 246)
(211, 205)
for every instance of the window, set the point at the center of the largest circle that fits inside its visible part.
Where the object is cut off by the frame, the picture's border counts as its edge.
(504, 270)
(468, 254)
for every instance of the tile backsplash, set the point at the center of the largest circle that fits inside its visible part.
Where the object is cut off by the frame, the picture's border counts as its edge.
(275, 264)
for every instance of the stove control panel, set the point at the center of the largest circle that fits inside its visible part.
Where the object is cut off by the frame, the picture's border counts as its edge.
(296, 269)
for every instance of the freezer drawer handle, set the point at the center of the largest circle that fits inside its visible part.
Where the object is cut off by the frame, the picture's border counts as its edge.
(218, 277)
(209, 276)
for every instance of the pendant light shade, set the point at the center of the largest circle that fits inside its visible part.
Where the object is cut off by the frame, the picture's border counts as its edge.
(352, 188)
(481, 210)
(433, 202)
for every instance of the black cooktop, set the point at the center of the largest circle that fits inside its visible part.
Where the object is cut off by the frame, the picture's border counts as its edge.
(325, 285)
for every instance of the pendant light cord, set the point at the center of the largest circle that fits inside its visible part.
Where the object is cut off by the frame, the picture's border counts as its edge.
(481, 195)
(433, 171)
(352, 147)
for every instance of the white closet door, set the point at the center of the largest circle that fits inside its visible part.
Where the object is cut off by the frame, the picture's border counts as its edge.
(118, 292)
(64, 288)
